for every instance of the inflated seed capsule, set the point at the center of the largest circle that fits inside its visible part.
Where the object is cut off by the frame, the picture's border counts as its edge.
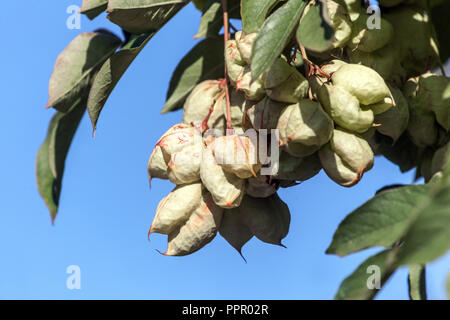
(362, 82)
(304, 127)
(346, 158)
(253, 89)
(340, 22)
(245, 44)
(265, 113)
(235, 63)
(284, 83)
(369, 40)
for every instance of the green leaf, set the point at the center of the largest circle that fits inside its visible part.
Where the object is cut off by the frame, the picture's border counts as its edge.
(254, 12)
(429, 236)
(93, 8)
(204, 62)
(212, 18)
(314, 32)
(111, 72)
(234, 230)
(53, 152)
(381, 221)
(439, 17)
(366, 281)
(76, 65)
(143, 16)
(416, 282)
(274, 35)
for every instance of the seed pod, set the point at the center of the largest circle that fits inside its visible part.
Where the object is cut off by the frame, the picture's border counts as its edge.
(245, 44)
(181, 147)
(254, 90)
(198, 230)
(332, 66)
(284, 83)
(394, 122)
(260, 187)
(199, 102)
(369, 40)
(362, 82)
(237, 105)
(267, 218)
(265, 113)
(304, 127)
(234, 230)
(298, 169)
(440, 159)
(341, 24)
(157, 167)
(176, 208)
(233, 60)
(422, 127)
(346, 158)
(344, 108)
(225, 187)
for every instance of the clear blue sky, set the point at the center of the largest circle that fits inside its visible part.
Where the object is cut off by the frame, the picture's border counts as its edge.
(106, 205)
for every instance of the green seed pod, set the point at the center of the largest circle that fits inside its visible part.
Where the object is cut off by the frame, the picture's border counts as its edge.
(245, 44)
(233, 60)
(157, 167)
(440, 159)
(394, 122)
(265, 113)
(422, 127)
(362, 82)
(298, 169)
(381, 106)
(354, 8)
(422, 53)
(237, 154)
(344, 108)
(176, 208)
(267, 218)
(304, 127)
(254, 90)
(346, 158)
(260, 187)
(332, 66)
(199, 102)
(198, 230)
(369, 40)
(225, 187)
(284, 83)
(341, 23)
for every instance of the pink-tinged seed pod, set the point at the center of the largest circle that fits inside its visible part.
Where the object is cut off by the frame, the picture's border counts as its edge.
(157, 167)
(176, 208)
(238, 155)
(198, 230)
(304, 127)
(233, 60)
(226, 188)
(253, 89)
(245, 44)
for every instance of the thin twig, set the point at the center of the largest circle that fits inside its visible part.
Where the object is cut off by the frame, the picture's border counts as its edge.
(225, 37)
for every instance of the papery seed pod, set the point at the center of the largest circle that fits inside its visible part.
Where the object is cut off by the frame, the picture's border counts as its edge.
(198, 230)
(298, 169)
(394, 122)
(344, 108)
(369, 40)
(237, 105)
(265, 113)
(419, 55)
(422, 127)
(157, 167)
(304, 127)
(440, 159)
(200, 101)
(362, 82)
(238, 155)
(181, 147)
(267, 218)
(332, 66)
(253, 89)
(176, 208)
(341, 23)
(260, 187)
(354, 8)
(234, 230)
(382, 106)
(346, 158)
(226, 188)
(235, 63)
(284, 83)
(245, 44)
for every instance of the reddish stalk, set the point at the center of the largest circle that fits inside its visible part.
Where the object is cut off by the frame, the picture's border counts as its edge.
(225, 37)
